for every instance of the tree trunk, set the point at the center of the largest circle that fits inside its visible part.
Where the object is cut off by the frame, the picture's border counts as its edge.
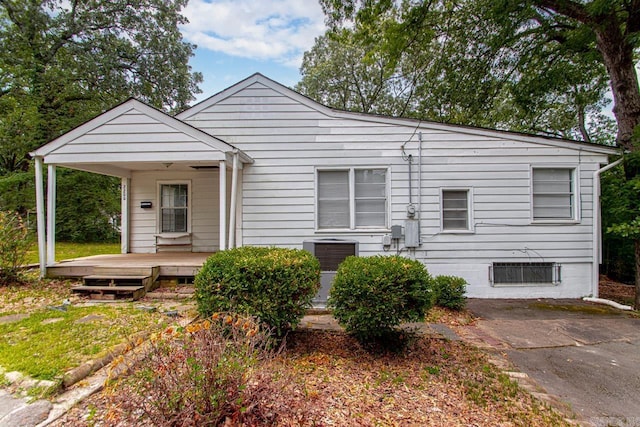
(617, 54)
(618, 58)
(636, 303)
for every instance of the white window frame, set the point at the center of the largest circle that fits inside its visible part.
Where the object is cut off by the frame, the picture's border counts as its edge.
(352, 199)
(470, 227)
(159, 185)
(575, 188)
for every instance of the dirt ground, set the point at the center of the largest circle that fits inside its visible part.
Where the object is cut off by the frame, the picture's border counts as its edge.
(616, 291)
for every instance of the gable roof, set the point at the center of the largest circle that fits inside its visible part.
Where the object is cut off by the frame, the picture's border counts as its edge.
(157, 121)
(374, 118)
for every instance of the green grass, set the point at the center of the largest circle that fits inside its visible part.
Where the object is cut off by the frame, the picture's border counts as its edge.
(65, 250)
(48, 343)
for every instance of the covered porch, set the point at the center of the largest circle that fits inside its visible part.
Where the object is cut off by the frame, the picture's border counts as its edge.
(179, 190)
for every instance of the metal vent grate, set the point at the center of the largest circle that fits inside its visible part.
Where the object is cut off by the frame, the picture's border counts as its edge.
(331, 255)
(524, 273)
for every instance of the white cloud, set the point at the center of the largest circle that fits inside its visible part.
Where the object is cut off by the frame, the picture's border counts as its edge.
(272, 30)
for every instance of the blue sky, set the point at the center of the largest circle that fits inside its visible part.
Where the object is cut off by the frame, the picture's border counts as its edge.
(237, 38)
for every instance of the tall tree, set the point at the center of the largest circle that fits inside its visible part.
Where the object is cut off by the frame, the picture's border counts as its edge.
(542, 48)
(69, 60)
(65, 61)
(455, 62)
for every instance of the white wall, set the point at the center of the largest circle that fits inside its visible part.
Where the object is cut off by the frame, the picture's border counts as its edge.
(288, 140)
(204, 208)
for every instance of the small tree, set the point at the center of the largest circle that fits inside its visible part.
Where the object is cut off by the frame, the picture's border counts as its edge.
(15, 242)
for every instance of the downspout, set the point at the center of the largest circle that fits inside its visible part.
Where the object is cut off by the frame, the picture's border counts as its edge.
(419, 186)
(597, 227)
(234, 197)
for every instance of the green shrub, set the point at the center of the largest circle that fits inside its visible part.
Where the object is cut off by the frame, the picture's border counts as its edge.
(449, 292)
(15, 242)
(371, 296)
(276, 285)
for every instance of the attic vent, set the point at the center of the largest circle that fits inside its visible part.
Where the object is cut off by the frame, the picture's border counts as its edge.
(205, 167)
(524, 273)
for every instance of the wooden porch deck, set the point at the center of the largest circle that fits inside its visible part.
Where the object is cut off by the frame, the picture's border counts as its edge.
(169, 264)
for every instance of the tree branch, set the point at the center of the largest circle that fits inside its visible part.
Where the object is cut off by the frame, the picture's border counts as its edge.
(568, 8)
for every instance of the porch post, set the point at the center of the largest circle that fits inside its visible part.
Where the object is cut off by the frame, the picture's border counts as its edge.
(51, 214)
(234, 196)
(124, 215)
(42, 255)
(222, 170)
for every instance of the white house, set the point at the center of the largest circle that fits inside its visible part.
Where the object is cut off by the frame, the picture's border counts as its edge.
(259, 164)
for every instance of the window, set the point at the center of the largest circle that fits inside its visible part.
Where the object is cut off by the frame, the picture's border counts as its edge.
(455, 210)
(352, 198)
(174, 207)
(525, 273)
(554, 196)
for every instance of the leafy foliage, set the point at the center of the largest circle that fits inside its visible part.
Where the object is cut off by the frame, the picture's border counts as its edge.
(471, 62)
(276, 285)
(449, 292)
(620, 210)
(17, 192)
(372, 296)
(62, 63)
(15, 242)
(88, 207)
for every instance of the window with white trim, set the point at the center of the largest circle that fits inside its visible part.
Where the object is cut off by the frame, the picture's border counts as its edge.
(455, 210)
(352, 198)
(554, 194)
(174, 208)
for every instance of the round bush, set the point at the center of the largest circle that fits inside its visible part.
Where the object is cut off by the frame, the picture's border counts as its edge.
(276, 285)
(371, 296)
(449, 292)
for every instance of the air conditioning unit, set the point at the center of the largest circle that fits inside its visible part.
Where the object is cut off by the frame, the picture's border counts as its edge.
(330, 253)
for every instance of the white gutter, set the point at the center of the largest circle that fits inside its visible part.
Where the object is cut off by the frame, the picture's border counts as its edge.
(597, 227)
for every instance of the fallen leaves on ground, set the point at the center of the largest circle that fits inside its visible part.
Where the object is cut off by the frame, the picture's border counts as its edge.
(33, 296)
(332, 381)
(615, 291)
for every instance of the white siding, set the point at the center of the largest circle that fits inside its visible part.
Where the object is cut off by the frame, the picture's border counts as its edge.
(204, 209)
(288, 140)
(132, 136)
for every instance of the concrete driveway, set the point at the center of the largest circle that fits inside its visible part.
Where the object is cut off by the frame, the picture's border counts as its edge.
(585, 354)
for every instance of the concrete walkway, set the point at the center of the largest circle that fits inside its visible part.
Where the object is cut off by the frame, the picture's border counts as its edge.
(588, 355)
(19, 412)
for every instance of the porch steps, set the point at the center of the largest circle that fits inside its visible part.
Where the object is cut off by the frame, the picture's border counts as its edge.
(111, 292)
(118, 282)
